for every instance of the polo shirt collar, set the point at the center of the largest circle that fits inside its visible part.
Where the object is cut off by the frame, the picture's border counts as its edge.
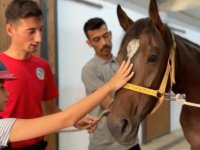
(103, 61)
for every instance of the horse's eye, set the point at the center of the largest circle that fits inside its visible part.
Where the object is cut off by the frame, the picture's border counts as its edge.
(152, 58)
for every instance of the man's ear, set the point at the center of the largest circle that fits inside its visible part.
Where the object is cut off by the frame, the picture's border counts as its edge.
(89, 43)
(9, 29)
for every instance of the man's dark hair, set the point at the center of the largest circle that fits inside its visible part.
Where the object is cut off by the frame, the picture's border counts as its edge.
(19, 9)
(92, 24)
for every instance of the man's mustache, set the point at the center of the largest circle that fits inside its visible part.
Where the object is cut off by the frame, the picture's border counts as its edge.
(106, 47)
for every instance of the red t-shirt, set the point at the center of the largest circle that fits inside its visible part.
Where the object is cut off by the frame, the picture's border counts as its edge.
(35, 83)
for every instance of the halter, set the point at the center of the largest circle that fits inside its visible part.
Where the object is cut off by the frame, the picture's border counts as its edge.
(160, 93)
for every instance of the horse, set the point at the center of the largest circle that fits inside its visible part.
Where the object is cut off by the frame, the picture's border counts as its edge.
(163, 61)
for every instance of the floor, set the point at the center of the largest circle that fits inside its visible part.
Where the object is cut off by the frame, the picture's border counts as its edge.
(172, 141)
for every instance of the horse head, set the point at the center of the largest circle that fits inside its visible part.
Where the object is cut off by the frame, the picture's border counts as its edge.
(147, 44)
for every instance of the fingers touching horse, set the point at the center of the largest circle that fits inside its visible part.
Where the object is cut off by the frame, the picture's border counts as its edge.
(162, 61)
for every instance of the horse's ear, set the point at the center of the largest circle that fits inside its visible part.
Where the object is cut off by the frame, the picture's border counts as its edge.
(154, 15)
(124, 20)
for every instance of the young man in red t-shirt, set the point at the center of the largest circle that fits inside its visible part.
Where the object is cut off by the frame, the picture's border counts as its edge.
(35, 87)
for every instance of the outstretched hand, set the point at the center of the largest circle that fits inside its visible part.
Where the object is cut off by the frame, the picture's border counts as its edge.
(122, 76)
(86, 121)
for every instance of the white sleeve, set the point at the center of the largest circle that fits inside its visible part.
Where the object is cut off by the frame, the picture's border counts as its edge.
(5, 127)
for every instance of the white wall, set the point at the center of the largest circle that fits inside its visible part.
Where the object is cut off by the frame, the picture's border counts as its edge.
(73, 53)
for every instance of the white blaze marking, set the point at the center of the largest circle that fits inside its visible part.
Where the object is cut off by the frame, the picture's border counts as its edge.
(132, 47)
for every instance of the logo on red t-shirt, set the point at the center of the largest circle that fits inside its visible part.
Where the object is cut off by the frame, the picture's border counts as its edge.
(40, 73)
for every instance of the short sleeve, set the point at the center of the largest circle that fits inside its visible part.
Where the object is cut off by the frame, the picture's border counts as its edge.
(5, 127)
(90, 79)
(51, 90)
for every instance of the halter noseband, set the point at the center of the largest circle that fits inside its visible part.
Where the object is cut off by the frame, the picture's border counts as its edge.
(160, 93)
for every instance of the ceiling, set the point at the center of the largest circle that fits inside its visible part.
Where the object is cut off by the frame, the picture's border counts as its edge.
(187, 11)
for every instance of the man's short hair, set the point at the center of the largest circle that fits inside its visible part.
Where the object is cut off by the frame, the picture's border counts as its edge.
(92, 24)
(19, 9)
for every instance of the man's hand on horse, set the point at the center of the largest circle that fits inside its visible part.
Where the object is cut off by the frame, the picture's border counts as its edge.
(87, 122)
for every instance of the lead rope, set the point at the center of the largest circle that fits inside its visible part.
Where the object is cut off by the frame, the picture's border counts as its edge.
(99, 117)
(181, 99)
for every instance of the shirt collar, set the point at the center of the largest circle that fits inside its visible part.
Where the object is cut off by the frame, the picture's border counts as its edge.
(103, 61)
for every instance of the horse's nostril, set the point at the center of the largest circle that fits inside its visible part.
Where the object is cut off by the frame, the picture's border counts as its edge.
(125, 126)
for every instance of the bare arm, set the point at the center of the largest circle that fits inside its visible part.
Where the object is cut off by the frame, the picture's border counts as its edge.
(30, 128)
